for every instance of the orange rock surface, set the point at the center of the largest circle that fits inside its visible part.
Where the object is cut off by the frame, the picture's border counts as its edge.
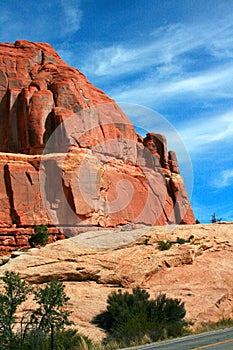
(71, 158)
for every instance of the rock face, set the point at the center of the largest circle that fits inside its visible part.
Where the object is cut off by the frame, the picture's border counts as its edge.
(70, 157)
(198, 272)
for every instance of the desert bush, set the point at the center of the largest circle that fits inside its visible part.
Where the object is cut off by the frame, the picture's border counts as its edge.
(164, 245)
(71, 340)
(214, 219)
(180, 240)
(131, 317)
(40, 236)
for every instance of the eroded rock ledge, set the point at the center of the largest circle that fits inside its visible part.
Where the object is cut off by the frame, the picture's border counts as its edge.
(199, 271)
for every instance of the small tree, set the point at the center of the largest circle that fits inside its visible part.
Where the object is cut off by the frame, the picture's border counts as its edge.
(50, 314)
(214, 219)
(39, 323)
(14, 294)
(40, 236)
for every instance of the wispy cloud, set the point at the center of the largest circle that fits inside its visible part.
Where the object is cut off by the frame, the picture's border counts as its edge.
(162, 47)
(166, 46)
(225, 179)
(73, 15)
(178, 61)
(211, 84)
(39, 21)
(204, 132)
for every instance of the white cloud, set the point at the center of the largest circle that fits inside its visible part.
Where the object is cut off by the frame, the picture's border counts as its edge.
(204, 132)
(167, 46)
(40, 21)
(163, 47)
(169, 65)
(225, 179)
(73, 15)
(212, 84)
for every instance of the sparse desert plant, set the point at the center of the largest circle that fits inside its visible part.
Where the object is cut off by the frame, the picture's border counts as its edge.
(63, 340)
(210, 326)
(40, 236)
(164, 245)
(191, 237)
(70, 339)
(214, 219)
(180, 240)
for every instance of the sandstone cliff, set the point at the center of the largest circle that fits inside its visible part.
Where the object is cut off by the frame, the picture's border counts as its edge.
(71, 158)
(199, 271)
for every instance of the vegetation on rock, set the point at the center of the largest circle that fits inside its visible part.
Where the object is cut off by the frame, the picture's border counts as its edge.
(132, 317)
(48, 317)
(214, 219)
(164, 245)
(40, 236)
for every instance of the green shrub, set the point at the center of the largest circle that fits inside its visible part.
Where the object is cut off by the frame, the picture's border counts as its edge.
(40, 236)
(14, 293)
(210, 326)
(180, 240)
(164, 245)
(63, 340)
(214, 219)
(70, 340)
(131, 317)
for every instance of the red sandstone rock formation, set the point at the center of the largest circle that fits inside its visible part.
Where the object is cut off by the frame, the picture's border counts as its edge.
(96, 171)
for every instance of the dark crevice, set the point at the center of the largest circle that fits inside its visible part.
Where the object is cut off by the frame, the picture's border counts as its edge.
(14, 216)
(42, 57)
(35, 163)
(173, 197)
(29, 178)
(69, 196)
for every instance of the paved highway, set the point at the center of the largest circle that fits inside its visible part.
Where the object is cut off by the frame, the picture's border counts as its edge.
(215, 340)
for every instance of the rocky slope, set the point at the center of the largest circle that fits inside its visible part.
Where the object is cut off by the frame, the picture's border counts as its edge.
(94, 264)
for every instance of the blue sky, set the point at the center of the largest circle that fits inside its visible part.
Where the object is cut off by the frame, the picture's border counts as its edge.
(171, 56)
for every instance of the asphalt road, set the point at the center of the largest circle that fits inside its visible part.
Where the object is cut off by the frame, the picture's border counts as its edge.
(215, 340)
